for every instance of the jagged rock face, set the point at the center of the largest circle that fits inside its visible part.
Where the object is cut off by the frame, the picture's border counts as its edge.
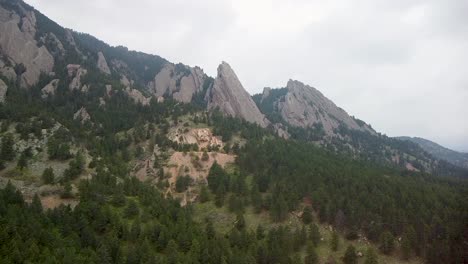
(228, 94)
(50, 88)
(75, 71)
(102, 64)
(53, 41)
(20, 46)
(181, 85)
(304, 106)
(3, 91)
(82, 115)
(7, 71)
(137, 96)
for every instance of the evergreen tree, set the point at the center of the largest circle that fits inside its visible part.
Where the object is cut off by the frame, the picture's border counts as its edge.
(387, 242)
(335, 241)
(350, 256)
(204, 194)
(371, 256)
(7, 151)
(315, 234)
(307, 215)
(48, 176)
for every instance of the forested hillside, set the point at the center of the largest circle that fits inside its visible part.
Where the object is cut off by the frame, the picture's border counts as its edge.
(114, 156)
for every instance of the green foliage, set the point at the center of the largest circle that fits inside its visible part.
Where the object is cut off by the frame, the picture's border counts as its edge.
(182, 183)
(48, 176)
(7, 152)
(307, 215)
(387, 242)
(335, 242)
(371, 256)
(350, 256)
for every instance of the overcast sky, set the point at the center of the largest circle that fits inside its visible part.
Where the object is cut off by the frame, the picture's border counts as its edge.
(400, 65)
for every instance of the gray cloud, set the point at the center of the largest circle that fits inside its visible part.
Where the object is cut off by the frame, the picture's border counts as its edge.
(399, 65)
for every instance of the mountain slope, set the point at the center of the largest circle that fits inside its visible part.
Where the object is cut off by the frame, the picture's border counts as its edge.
(456, 158)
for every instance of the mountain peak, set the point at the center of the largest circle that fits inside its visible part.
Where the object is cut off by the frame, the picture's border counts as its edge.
(228, 94)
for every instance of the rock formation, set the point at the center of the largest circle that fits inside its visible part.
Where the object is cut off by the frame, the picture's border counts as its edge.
(3, 91)
(177, 81)
(137, 96)
(75, 71)
(82, 115)
(7, 71)
(20, 46)
(228, 94)
(304, 106)
(102, 63)
(50, 88)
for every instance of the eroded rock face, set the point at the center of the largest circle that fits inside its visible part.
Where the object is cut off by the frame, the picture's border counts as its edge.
(82, 115)
(228, 94)
(50, 88)
(7, 71)
(102, 64)
(137, 96)
(75, 71)
(21, 47)
(3, 91)
(180, 83)
(305, 106)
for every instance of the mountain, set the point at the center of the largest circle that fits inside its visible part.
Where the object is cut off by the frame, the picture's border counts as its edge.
(115, 156)
(300, 105)
(304, 113)
(459, 159)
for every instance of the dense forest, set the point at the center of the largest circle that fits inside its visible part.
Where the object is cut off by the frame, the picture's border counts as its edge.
(117, 218)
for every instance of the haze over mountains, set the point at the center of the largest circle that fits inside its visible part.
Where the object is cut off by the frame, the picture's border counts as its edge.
(109, 155)
(297, 111)
(349, 62)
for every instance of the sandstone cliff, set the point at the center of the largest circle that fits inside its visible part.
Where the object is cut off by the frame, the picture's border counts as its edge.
(228, 94)
(303, 106)
(177, 81)
(19, 45)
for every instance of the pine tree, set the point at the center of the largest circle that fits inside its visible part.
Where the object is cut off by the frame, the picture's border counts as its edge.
(48, 176)
(7, 151)
(315, 234)
(204, 194)
(335, 241)
(371, 256)
(307, 215)
(387, 242)
(350, 256)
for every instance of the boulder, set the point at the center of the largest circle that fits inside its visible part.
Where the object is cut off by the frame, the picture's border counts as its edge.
(228, 94)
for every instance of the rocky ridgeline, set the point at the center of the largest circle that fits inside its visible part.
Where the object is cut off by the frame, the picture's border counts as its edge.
(228, 94)
(304, 106)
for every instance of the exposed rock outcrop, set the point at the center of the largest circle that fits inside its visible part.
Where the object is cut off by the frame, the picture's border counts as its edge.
(137, 96)
(305, 106)
(7, 71)
(75, 71)
(102, 63)
(3, 91)
(20, 46)
(228, 94)
(178, 81)
(82, 115)
(50, 88)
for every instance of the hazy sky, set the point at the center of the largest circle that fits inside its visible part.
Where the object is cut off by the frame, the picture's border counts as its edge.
(400, 65)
